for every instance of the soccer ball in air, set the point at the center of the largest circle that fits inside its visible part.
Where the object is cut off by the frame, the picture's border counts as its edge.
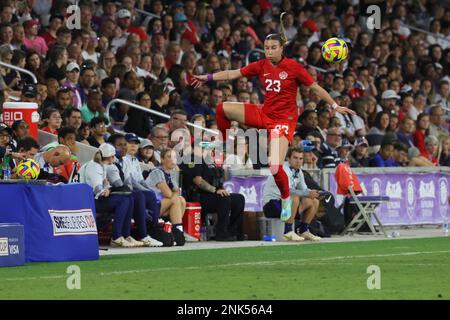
(28, 169)
(334, 50)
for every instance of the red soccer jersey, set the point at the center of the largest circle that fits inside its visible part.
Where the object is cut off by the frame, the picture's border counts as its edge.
(280, 83)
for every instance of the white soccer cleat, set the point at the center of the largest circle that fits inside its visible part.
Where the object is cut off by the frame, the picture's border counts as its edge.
(292, 236)
(150, 242)
(121, 242)
(309, 236)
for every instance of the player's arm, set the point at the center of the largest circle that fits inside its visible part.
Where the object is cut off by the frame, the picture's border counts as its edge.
(324, 95)
(218, 76)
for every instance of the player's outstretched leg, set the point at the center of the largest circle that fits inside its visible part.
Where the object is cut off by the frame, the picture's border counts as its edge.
(278, 150)
(225, 113)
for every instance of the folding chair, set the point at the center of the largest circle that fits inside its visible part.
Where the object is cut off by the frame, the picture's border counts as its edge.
(366, 208)
(348, 184)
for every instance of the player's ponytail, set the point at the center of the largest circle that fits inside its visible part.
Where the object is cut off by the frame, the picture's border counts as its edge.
(283, 30)
(281, 37)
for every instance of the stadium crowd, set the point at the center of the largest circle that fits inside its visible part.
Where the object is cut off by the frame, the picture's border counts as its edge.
(397, 80)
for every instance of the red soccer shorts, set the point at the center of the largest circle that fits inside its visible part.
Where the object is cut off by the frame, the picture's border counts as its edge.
(255, 118)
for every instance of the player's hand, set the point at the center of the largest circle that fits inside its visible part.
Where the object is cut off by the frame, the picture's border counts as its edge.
(344, 110)
(197, 81)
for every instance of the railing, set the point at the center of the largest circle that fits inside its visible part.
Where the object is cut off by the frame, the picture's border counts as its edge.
(10, 66)
(425, 31)
(156, 113)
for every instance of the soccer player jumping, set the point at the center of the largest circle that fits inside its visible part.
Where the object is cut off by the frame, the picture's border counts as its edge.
(281, 78)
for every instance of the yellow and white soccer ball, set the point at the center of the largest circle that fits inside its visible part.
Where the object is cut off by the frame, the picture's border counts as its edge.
(28, 169)
(335, 50)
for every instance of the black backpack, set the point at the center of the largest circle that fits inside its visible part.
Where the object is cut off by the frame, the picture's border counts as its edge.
(333, 220)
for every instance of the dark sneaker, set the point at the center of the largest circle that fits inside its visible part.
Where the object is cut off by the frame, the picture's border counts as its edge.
(178, 237)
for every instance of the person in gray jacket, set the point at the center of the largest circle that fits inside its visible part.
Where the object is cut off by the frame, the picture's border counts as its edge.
(93, 173)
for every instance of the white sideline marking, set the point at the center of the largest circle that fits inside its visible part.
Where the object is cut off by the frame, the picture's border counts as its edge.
(294, 261)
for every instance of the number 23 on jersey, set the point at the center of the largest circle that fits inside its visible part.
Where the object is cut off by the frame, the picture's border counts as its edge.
(273, 85)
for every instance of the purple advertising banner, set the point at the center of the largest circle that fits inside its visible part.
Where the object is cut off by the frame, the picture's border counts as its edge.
(415, 198)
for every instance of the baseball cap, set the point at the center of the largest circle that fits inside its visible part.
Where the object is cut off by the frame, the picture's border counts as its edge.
(72, 66)
(178, 4)
(311, 25)
(123, 13)
(30, 23)
(146, 143)
(4, 127)
(132, 137)
(345, 144)
(307, 145)
(29, 90)
(390, 94)
(180, 17)
(361, 141)
(107, 150)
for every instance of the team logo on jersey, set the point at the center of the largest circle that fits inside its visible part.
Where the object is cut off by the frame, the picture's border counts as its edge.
(283, 75)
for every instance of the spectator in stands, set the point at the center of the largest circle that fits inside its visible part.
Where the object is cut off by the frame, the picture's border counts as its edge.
(329, 156)
(323, 121)
(28, 147)
(444, 152)
(344, 150)
(140, 122)
(20, 130)
(173, 205)
(109, 89)
(405, 132)
(304, 200)
(384, 157)
(160, 98)
(125, 175)
(93, 107)
(73, 76)
(64, 99)
(400, 154)
(32, 40)
(443, 96)
(308, 122)
(86, 83)
(422, 130)
(94, 174)
(58, 58)
(193, 104)
(52, 121)
(72, 118)
(52, 90)
(431, 148)
(146, 155)
(98, 132)
(178, 120)
(160, 140)
(56, 22)
(359, 157)
(437, 122)
(29, 93)
(377, 132)
(204, 183)
(389, 100)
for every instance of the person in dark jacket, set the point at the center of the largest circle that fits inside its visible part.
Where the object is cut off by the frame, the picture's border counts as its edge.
(140, 122)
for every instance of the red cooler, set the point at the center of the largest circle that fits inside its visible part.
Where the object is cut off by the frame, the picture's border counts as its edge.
(28, 111)
(192, 219)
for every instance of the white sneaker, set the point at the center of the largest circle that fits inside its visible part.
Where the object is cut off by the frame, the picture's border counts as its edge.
(150, 242)
(292, 236)
(121, 242)
(135, 243)
(190, 238)
(309, 236)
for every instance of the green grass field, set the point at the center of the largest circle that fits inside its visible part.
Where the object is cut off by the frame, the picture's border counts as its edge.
(410, 269)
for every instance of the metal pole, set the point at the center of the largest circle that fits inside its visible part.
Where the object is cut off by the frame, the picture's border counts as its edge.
(10, 66)
(159, 114)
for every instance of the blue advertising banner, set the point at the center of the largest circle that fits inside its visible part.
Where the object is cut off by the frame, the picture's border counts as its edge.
(58, 220)
(12, 250)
